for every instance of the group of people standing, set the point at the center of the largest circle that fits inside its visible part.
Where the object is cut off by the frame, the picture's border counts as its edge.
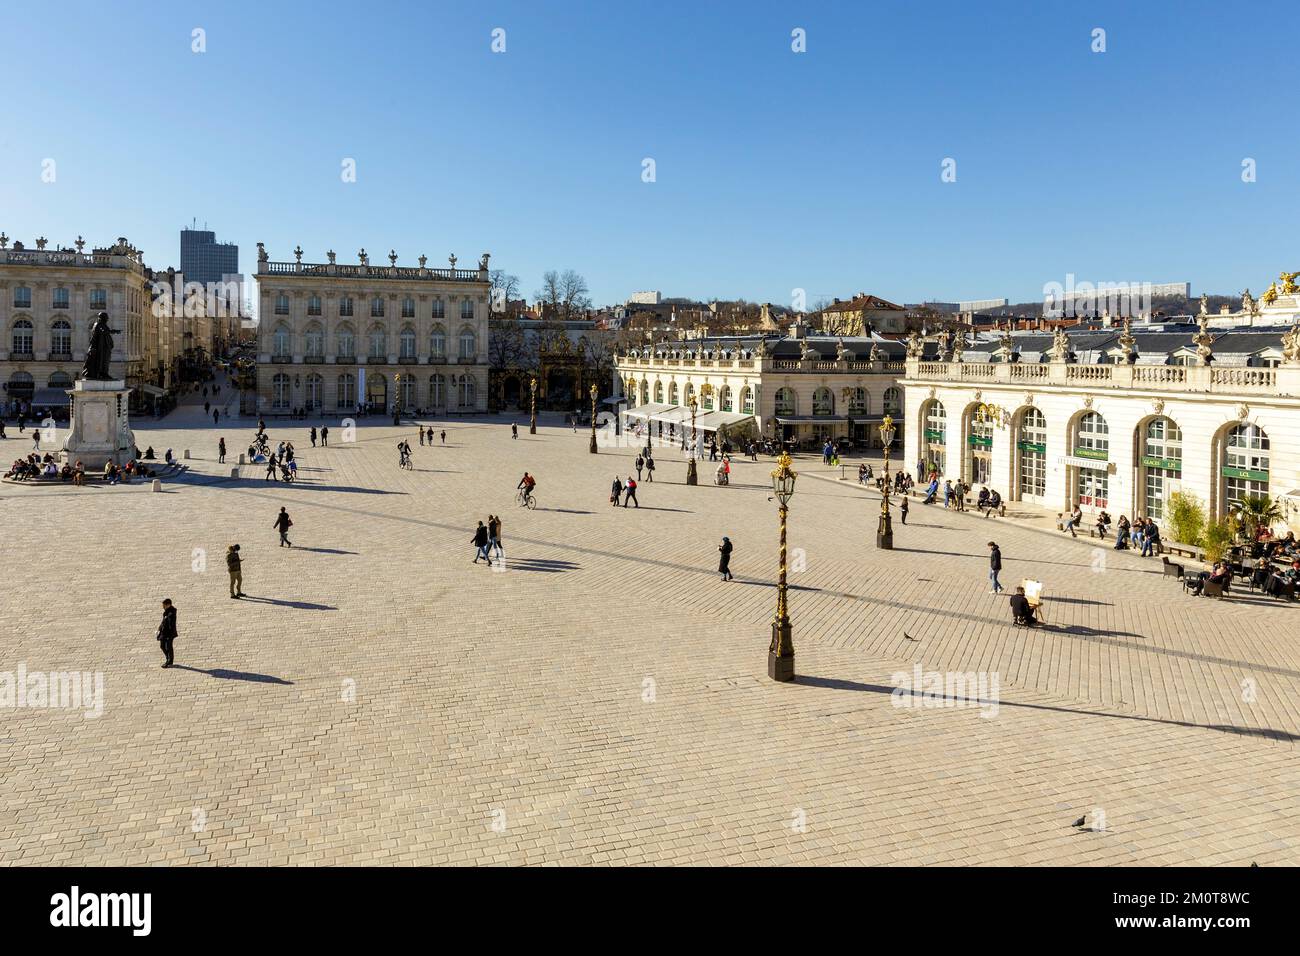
(487, 541)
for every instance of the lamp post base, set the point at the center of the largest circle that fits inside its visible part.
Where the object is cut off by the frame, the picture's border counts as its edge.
(691, 477)
(885, 534)
(780, 669)
(532, 428)
(592, 447)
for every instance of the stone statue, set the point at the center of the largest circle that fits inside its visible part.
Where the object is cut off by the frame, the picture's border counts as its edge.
(874, 355)
(100, 352)
(1127, 342)
(1205, 304)
(841, 353)
(1060, 346)
(1247, 303)
(945, 341)
(1291, 344)
(1203, 340)
(1288, 283)
(483, 263)
(261, 253)
(914, 346)
(958, 346)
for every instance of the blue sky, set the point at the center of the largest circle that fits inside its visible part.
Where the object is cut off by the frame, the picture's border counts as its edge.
(774, 170)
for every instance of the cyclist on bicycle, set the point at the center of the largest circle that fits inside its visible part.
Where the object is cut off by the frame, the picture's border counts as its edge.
(527, 484)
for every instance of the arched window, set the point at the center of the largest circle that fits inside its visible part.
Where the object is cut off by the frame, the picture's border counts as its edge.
(1161, 463)
(786, 404)
(724, 402)
(465, 392)
(1245, 464)
(61, 338)
(314, 341)
(347, 391)
(1092, 443)
(747, 400)
(672, 393)
(934, 419)
(280, 392)
(980, 442)
(59, 380)
(645, 392)
(22, 337)
(347, 344)
(858, 402)
(438, 342)
(468, 344)
(437, 391)
(315, 391)
(659, 393)
(407, 389)
(21, 386)
(688, 393)
(1031, 446)
(280, 341)
(823, 402)
(378, 343)
(706, 398)
(893, 401)
(406, 342)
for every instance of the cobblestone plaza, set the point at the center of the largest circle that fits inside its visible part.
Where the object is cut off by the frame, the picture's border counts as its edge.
(603, 699)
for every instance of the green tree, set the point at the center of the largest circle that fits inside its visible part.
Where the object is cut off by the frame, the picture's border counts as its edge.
(1186, 518)
(1255, 512)
(1217, 539)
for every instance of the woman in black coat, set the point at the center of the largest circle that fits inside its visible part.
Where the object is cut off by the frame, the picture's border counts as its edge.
(724, 562)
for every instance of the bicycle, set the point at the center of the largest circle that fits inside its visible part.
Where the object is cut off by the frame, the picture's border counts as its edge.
(526, 501)
(406, 464)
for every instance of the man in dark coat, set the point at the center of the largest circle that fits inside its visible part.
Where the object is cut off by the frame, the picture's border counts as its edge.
(1021, 611)
(167, 630)
(724, 561)
(995, 565)
(283, 523)
(480, 541)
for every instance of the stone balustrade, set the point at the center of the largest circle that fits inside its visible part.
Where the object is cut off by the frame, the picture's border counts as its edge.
(1283, 381)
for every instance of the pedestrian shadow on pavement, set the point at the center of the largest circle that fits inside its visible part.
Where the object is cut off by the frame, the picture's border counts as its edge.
(324, 550)
(567, 511)
(301, 605)
(541, 564)
(832, 683)
(224, 674)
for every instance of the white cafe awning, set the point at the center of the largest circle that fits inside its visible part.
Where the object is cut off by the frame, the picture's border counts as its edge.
(712, 421)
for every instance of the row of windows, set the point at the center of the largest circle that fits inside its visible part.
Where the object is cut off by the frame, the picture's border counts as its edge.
(22, 382)
(59, 298)
(1245, 469)
(438, 309)
(462, 392)
(377, 342)
(23, 337)
(823, 402)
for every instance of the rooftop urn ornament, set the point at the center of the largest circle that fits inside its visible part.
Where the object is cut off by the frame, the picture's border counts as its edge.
(330, 256)
(365, 259)
(40, 243)
(392, 257)
(452, 259)
(80, 243)
(1203, 340)
(422, 260)
(261, 252)
(297, 254)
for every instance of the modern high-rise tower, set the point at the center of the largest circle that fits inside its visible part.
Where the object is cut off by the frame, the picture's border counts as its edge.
(205, 260)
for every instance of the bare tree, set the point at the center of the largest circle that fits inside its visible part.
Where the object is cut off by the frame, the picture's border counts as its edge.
(565, 293)
(505, 288)
(508, 345)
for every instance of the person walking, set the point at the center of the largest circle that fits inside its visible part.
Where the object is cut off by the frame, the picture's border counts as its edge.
(480, 541)
(724, 561)
(221, 451)
(283, 523)
(430, 436)
(236, 568)
(494, 535)
(443, 435)
(420, 432)
(271, 473)
(640, 464)
(995, 567)
(216, 415)
(167, 631)
(630, 487)
(615, 492)
(902, 508)
(324, 435)
(514, 430)
(649, 468)
(313, 436)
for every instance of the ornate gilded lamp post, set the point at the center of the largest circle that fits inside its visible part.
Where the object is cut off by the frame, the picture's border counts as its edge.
(592, 391)
(397, 399)
(532, 422)
(885, 532)
(691, 477)
(780, 653)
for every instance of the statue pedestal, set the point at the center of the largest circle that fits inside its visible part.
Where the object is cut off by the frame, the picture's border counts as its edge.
(98, 427)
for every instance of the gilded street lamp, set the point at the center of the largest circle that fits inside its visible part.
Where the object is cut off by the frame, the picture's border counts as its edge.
(592, 391)
(397, 399)
(532, 422)
(691, 477)
(885, 532)
(780, 653)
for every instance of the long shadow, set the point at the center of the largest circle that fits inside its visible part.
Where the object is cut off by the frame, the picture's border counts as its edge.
(1068, 600)
(541, 564)
(301, 605)
(324, 550)
(833, 683)
(224, 674)
(567, 511)
(259, 482)
(683, 511)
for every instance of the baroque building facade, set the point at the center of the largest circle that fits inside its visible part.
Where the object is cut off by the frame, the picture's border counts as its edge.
(334, 338)
(1115, 419)
(801, 388)
(48, 301)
